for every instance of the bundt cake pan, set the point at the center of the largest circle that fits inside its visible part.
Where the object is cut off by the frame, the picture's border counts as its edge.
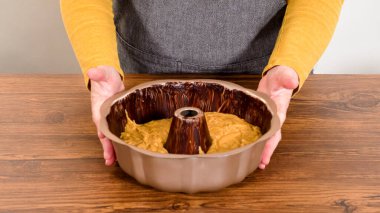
(188, 173)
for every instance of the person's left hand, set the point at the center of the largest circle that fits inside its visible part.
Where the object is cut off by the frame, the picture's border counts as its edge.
(278, 84)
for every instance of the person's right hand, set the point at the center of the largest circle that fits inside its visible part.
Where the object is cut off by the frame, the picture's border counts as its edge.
(105, 82)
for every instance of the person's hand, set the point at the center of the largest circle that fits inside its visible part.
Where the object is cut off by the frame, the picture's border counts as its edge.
(105, 82)
(278, 83)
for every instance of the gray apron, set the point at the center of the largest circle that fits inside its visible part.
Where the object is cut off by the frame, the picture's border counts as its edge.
(196, 36)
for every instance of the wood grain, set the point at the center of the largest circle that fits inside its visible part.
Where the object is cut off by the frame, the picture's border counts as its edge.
(51, 161)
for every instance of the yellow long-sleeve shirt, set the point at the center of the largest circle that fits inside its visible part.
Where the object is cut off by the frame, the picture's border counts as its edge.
(305, 33)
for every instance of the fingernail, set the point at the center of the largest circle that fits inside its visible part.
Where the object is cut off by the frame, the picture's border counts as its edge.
(262, 166)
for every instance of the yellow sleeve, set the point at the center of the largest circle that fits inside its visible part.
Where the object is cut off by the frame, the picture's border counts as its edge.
(90, 28)
(305, 33)
(306, 30)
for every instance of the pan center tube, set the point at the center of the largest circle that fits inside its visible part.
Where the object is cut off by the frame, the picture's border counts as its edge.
(188, 132)
(189, 113)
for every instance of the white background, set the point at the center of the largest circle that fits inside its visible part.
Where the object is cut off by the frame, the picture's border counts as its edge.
(32, 39)
(355, 47)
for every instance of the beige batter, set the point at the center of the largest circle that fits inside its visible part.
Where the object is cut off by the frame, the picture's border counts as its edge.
(227, 132)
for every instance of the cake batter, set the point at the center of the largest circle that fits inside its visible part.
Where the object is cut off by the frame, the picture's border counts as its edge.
(227, 132)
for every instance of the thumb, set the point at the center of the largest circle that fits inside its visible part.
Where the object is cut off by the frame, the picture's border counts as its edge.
(285, 78)
(289, 79)
(97, 74)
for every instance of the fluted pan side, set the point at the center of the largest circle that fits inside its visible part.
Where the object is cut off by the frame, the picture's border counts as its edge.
(160, 101)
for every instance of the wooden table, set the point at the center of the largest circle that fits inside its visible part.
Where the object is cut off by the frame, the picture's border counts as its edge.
(328, 160)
